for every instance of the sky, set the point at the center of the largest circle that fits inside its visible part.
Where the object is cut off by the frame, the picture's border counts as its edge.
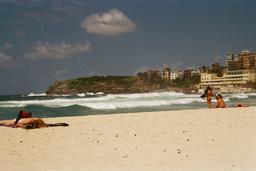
(46, 40)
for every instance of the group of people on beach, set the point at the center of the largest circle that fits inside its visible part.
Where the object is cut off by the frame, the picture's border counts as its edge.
(209, 94)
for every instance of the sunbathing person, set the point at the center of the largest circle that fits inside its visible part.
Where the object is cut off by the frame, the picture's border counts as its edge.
(23, 114)
(240, 105)
(25, 120)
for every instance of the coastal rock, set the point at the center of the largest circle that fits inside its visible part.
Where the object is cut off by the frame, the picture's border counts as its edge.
(108, 85)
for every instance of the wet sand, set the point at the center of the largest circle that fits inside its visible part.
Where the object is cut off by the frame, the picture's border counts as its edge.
(185, 140)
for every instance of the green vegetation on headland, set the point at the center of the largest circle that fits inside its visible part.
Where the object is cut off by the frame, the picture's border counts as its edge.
(187, 82)
(118, 84)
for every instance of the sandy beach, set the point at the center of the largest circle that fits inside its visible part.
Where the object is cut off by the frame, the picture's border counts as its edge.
(198, 140)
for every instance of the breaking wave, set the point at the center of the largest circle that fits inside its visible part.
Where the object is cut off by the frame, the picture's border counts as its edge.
(111, 101)
(115, 101)
(36, 95)
(98, 104)
(242, 95)
(239, 96)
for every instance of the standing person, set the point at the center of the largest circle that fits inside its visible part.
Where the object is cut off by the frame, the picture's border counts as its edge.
(220, 101)
(209, 95)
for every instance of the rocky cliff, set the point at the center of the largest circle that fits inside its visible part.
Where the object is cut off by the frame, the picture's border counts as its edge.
(108, 84)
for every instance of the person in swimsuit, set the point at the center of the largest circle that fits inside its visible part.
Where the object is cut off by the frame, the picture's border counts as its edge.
(25, 120)
(209, 95)
(220, 101)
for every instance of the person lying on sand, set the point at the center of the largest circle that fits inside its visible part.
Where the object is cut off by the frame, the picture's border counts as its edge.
(25, 120)
(23, 114)
(240, 105)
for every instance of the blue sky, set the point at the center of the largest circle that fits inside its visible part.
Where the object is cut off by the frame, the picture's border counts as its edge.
(46, 40)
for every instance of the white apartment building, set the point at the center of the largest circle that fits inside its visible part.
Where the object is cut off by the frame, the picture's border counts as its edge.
(195, 72)
(235, 78)
(176, 74)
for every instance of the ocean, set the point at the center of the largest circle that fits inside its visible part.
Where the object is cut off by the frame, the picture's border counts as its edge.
(45, 106)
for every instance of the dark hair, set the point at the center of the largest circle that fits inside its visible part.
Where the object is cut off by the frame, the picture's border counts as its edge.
(220, 96)
(209, 88)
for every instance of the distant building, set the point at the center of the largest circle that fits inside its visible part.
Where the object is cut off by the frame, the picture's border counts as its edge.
(249, 60)
(245, 60)
(187, 73)
(166, 73)
(151, 74)
(204, 69)
(176, 74)
(231, 78)
(234, 62)
(141, 74)
(191, 72)
(239, 71)
(195, 72)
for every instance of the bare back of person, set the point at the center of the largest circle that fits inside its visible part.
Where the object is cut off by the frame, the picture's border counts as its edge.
(220, 103)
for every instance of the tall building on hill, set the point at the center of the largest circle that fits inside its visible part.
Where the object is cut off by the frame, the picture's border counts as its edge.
(234, 78)
(248, 60)
(234, 62)
(151, 74)
(245, 60)
(240, 72)
(166, 73)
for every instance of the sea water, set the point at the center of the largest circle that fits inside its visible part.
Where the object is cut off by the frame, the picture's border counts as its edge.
(43, 106)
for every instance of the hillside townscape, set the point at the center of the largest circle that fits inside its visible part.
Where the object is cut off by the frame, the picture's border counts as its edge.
(238, 75)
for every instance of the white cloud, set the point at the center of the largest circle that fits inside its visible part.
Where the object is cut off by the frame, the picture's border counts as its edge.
(110, 23)
(5, 59)
(56, 51)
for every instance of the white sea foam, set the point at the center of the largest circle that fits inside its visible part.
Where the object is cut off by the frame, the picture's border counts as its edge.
(85, 94)
(90, 94)
(36, 95)
(118, 101)
(10, 105)
(61, 95)
(151, 95)
(239, 96)
(81, 94)
(112, 104)
(112, 101)
(99, 93)
(251, 94)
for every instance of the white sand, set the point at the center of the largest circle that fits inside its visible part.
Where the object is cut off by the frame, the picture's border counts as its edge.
(198, 140)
